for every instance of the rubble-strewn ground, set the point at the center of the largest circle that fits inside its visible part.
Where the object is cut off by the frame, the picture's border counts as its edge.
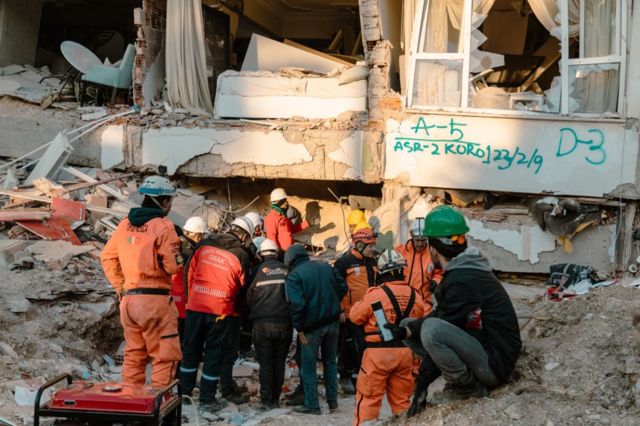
(579, 364)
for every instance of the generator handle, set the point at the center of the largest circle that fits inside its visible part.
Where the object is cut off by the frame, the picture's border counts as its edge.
(160, 396)
(41, 389)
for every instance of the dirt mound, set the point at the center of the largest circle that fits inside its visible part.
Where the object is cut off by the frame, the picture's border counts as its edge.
(579, 366)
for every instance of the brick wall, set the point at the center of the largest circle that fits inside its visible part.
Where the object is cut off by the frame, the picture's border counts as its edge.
(148, 42)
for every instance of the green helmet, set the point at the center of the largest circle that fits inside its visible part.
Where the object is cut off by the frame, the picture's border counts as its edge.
(444, 221)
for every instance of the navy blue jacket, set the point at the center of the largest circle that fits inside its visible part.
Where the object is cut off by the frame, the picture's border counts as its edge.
(314, 290)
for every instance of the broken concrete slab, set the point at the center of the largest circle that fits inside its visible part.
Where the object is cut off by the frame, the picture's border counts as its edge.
(47, 251)
(52, 159)
(102, 309)
(9, 248)
(266, 54)
(12, 69)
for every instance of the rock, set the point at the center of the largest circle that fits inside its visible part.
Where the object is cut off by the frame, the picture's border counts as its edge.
(18, 306)
(51, 251)
(7, 350)
(513, 411)
(551, 365)
(242, 370)
(101, 309)
(55, 348)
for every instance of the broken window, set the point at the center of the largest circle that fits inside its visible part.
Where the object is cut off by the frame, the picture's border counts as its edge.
(508, 55)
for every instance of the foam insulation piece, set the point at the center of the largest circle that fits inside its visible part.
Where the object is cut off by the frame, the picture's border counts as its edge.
(111, 143)
(350, 154)
(160, 147)
(270, 55)
(286, 106)
(526, 243)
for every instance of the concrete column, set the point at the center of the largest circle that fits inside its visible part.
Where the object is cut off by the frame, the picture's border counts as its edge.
(19, 28)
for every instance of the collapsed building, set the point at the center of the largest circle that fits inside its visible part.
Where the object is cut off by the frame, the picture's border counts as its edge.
(518, 112)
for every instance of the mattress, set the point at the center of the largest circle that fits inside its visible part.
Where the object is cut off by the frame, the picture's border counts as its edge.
(270, 95)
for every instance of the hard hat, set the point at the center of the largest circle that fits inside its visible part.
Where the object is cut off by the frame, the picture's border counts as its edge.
(355, 217)
(417, 229)
(364, 235)
(390, 260)
(244, 224)
(268, 246)
(255, 218)
(157, 186)
(257, 241)
(361, 225)
(278, 194)
(195, 224)
(444, 221)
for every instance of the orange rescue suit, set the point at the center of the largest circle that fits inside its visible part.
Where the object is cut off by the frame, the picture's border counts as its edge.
(420, 270)
(280, 229)
(359, 273)
(143, 258)
(386, 366)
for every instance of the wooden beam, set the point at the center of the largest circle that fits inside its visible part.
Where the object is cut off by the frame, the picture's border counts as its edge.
(105, 210)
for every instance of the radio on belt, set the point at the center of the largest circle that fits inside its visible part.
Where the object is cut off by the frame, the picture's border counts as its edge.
(381, 319)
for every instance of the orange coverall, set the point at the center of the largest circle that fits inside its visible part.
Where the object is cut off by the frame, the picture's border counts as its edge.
(386, 366)
(143, 258)
(420, 270)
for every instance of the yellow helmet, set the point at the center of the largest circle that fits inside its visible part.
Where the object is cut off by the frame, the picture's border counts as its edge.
(355, 217)
(361, 225)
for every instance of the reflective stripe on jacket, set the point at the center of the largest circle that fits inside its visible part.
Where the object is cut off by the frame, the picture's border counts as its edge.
(362, 313)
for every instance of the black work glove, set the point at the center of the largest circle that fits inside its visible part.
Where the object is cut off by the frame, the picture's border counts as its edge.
(398, 332)
(419, 401)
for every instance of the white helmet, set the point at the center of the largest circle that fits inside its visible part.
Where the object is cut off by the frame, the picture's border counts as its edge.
(195, 224)
(417, 228)
(278, 194)
(255, 218)
(268, 246)
(244, 224)
(257, 241)
(157, 186)
(390, 260)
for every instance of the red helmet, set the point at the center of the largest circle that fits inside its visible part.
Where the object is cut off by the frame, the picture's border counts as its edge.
(364, 235)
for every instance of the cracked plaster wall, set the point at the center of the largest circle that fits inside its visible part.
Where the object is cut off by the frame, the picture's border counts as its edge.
(290, 153)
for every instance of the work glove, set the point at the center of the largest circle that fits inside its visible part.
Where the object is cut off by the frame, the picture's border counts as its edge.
(398, 332)
(419, 401)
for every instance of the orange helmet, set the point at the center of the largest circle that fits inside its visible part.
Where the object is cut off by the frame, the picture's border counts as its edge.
(364, 235)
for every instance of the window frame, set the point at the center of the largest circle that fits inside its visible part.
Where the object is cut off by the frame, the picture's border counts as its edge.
(620, 57)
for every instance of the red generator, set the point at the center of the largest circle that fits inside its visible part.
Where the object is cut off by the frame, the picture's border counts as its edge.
(108, 403)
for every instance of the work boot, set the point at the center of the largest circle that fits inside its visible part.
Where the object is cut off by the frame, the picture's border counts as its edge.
(303, 409)
(458, 392)
(333, 405)
(347, 386)
(212, 406)
(237, 398)
(266, 406)
(297, 391)
(296, 400)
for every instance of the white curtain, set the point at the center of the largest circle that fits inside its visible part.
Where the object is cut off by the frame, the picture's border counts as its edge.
(593, 87)
(186, 63)
(439, 83)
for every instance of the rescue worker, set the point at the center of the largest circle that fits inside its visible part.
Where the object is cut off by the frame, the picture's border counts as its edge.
(229, 389)
(472, 337)
(357, 268)
(314, 291)
(215, 273)
(138, 260)
(386, 365)
(277, 225)
(272, 331)
(420, 273)
(192, 233)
